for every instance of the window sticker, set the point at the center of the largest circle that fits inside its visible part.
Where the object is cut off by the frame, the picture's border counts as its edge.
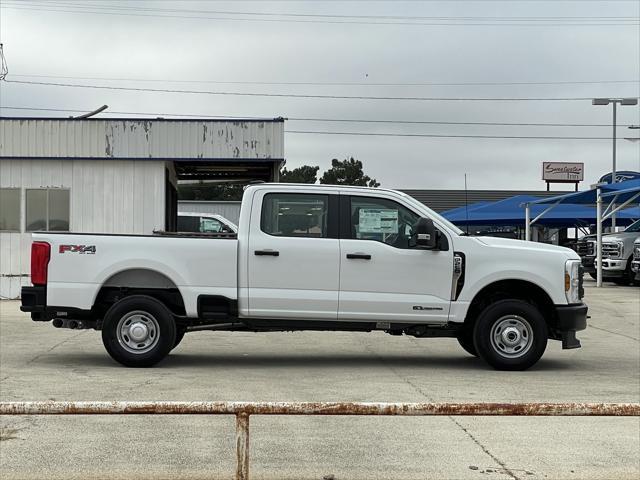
(378, 220)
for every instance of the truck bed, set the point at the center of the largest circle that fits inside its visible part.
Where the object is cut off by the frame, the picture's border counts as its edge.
(81, 264)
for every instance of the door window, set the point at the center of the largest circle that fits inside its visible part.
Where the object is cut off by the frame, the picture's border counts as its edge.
(382, 220)
(295, 215)
(210, 225)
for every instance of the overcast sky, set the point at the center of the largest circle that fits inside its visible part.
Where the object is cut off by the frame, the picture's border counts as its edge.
(131, 43)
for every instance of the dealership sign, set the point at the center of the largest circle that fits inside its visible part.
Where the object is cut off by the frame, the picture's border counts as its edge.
(562, 172)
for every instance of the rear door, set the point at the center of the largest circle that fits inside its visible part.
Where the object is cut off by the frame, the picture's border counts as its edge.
(294, 256)
(382, 277)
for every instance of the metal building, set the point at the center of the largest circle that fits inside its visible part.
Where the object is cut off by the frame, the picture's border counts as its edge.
(115, 175)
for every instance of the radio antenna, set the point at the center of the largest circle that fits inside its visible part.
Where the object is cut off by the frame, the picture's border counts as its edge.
(466, 202)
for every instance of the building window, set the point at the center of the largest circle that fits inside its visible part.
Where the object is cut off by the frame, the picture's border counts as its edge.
(47, 209)
(9, 209)
(295, 215)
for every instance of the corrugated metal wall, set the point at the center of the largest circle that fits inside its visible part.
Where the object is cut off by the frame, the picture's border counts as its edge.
(141, 138)
(106, 196)
(229, 210)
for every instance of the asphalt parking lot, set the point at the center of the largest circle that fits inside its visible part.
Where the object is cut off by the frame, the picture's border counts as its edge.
(38, 362)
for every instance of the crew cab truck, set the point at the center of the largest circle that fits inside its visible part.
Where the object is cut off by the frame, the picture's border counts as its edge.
(617, 254)
(313, 257)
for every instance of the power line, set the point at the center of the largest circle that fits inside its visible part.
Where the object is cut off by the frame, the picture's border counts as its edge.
(359, 84)
(288, 20)
(311, 96)
(329, 120)
(425, 135)
(316, 15)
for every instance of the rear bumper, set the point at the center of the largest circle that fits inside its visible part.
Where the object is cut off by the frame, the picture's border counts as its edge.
(34, 301)
(569, 320)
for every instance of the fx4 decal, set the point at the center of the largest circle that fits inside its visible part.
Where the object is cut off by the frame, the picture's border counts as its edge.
(89, 249)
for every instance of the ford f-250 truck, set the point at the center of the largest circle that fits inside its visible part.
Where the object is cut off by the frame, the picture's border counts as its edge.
(313, 258)
(617, 253)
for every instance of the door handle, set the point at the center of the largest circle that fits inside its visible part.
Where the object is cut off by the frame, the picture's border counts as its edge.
(359, 256)
(262, 253)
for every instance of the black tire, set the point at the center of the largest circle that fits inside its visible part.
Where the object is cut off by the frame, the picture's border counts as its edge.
(465, 339)
(593, 275)
(514, 320)
(150, 319)
(179, 336)
(628, 277)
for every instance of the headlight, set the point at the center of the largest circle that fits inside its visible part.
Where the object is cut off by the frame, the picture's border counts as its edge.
(572, 281)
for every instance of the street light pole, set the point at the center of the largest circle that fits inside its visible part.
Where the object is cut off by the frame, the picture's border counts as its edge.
(613, 171)
(615, 102)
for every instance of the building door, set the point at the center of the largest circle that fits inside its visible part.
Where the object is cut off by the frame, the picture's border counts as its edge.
(293, 256)
(382, 278)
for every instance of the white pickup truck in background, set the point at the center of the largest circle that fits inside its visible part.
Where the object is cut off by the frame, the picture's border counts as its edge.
(312, 257)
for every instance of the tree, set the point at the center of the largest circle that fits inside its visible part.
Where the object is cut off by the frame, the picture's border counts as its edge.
(303, 174)
(347, 172)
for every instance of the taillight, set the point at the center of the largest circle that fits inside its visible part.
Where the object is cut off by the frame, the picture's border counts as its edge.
(40, 253)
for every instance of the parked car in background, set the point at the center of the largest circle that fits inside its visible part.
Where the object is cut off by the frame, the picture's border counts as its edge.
(205, 223)
(617, 254)
(635, 263)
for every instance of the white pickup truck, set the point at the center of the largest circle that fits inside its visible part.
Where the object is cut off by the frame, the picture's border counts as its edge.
(312, 257)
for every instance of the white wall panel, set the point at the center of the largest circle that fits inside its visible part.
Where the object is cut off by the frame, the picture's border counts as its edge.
(106, 196)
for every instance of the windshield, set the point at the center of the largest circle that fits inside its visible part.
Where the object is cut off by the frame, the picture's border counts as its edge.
(634, 227)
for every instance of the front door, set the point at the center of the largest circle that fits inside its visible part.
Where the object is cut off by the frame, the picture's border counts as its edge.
(293, 257)
(382, 278)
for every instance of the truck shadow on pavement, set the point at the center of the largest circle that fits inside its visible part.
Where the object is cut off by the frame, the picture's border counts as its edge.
(304, 362)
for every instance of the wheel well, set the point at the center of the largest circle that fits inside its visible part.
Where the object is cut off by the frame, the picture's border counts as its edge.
(511, 289)
(139, 281)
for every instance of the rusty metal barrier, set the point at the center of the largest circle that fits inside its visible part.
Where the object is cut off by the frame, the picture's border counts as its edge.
(243, 410)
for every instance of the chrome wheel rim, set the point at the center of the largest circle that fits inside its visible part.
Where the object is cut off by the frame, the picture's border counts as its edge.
(138, 332)
(511, 336)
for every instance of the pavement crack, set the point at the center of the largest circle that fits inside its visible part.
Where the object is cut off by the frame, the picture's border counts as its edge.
(614, 333)
(54, 347)
(504, 467)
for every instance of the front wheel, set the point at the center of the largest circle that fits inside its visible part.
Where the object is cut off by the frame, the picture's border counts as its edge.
(510, 335)
(465, 339)
(138, 331)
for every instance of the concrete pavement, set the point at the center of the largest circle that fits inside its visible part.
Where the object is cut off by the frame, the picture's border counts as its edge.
(38, 362)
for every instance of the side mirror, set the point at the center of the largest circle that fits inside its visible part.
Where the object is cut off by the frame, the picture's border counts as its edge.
(427, 236)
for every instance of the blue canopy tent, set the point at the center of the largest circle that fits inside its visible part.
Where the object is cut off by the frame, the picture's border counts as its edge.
(510, 212)
(616, 195)
(466, 208)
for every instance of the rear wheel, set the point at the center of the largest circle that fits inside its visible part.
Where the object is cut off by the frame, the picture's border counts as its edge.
(179, 336)
(511, 335)
(138, 331)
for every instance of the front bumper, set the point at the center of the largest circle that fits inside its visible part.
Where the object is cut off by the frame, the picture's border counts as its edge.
(569, 319)
(635, 266)
(588, 263)
(611, 268)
